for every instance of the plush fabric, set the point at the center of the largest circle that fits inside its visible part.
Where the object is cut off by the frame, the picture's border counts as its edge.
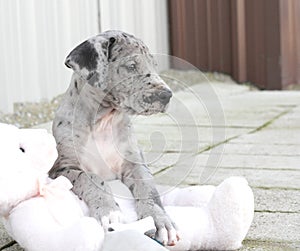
(44, 214)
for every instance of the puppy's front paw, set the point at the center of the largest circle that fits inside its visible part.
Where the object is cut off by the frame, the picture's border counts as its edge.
(106, 211)
(110, 218)
(166, 232)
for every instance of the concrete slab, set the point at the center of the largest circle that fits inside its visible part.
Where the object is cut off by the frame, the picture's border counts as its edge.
(261, 162)
(157, 162)
(191, 138)
(277, 200)
(220, 88)
(288, 121)
(261, 149)
(271, 136)
(283, 179)
(265, 227)
(255, 245)
(196, 175)
(220, 112)
(267, 98)
(5, 239)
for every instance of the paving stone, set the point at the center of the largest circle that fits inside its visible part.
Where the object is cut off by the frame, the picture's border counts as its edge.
(253, 149)
(15, 247)
(191, 111)
(170, 146)
(255, 245)
(185, 138)
(194, 174)
(4, 239)
(157, 161)
(249, 120)
(267, 98)
(288, 121)
(278, 227)
(277, 200)
(219, 88)
(271, 136)
(258, 162)
(260, 178)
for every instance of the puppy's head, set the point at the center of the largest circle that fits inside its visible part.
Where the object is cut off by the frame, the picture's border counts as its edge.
(122, 66)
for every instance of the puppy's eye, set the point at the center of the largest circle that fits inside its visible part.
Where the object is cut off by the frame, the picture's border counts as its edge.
(131, 67)
(22, 149)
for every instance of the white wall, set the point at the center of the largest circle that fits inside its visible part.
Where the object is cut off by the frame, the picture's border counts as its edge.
(147, 19)
(36, 36)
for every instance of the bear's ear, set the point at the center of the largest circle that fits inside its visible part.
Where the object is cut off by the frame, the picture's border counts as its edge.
(90, 58)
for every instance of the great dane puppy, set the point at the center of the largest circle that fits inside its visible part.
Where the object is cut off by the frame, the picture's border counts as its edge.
(114, 77)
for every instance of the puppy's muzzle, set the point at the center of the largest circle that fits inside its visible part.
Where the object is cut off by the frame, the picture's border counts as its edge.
(162, 96)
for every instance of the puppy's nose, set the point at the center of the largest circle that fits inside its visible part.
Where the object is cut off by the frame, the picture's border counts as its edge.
(165, 96)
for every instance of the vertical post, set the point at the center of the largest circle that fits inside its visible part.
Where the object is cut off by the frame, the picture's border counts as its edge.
(297, 34)
(287, 41)
(238, 28)
(273, 54)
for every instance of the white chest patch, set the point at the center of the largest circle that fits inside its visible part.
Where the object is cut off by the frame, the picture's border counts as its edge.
(100, 154)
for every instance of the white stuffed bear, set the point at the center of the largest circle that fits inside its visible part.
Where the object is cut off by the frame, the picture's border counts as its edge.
(39, 213)
(43, 214)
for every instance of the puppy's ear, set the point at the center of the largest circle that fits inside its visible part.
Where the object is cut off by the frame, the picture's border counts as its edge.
(90, 59)
(84, 56)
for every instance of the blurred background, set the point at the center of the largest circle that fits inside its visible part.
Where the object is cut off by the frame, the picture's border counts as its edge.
(253, 41)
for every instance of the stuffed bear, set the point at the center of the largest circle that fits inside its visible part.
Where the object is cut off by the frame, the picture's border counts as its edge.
(44, 214)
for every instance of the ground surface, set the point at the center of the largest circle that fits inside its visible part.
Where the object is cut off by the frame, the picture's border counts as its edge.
(217, 130)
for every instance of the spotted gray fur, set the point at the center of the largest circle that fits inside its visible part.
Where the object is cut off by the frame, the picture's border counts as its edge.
(114, 77)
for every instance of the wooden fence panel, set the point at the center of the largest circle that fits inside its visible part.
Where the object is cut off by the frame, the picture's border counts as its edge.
(253, 40)
(200, 36)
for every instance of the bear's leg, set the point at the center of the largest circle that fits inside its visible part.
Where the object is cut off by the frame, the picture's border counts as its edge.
(194, 196)
(34, 228)
(232, 210)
